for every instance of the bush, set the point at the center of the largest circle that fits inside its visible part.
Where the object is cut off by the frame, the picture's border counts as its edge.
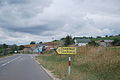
(116, 42)
(93, 43)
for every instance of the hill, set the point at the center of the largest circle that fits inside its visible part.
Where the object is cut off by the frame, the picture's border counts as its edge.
(106, 38)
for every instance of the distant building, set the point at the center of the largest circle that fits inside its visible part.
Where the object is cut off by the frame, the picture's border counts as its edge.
(39, 48)
(81, 41)
(105, 43)
(34, 48)
(29, 48)
(51, 45)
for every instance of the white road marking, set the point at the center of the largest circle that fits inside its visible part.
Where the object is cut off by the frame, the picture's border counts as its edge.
(10, 61)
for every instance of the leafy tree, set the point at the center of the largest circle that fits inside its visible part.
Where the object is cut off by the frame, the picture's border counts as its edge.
(40, 42)
(21, 47)
(55, 41)
(32, 42)
(62, 39)
(5, 46)
(118, 34)
(93, 43)
(4, 49)
(90, 37)
(68, 40)
(106, 35)
(111, 36)
(84, 37)
(99, 37)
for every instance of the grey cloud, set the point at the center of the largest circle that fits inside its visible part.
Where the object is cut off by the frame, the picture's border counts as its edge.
(99, 6)
(31, 30)
(20, 14)
(13, 1)
(46, 18)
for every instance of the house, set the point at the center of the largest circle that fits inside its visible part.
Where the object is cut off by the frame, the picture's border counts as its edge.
(51, 45)
(34, 48)
(29, 48)
(105, 43)
(39, 48)
(81, 41)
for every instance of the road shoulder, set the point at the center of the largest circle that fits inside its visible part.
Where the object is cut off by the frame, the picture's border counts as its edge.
(50, 74)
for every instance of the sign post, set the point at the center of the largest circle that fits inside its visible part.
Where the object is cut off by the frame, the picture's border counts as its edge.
(67, 50)
(69, 66)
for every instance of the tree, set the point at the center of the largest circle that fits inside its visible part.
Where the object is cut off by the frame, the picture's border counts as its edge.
(116, 42)
(91, 37)
(106, 35)
(4, 49)
(21, 47)
(32, 42)
(68, 40)
(93, 43)
(84, 37)
(111, 36)
(40, 42)
(118, 34)
(99, 37)
(55, 41)
(62, 39)
(5, 46)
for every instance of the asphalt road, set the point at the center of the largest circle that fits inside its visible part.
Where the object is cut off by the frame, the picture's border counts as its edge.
(21, 67)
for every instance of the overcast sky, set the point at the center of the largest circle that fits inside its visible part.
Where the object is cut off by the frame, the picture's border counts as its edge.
(22, 21)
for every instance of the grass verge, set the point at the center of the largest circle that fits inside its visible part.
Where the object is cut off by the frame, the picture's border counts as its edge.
(90, 63)
(6, 55)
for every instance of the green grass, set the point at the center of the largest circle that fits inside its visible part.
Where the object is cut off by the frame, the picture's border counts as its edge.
(106, 38)
(91, 63)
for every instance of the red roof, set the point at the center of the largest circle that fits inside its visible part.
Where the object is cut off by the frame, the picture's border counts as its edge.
(30, 46)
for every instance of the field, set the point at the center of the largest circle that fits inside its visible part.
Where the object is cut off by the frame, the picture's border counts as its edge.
(106, 38)
(90, 63)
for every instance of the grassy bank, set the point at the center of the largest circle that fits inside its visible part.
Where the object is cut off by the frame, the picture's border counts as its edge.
(5, 55)
(90, 63)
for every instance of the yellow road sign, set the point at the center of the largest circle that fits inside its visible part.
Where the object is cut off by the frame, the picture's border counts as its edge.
(66, 50)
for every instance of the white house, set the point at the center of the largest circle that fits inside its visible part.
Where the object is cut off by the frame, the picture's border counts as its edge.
(105, 43)
(81, 41)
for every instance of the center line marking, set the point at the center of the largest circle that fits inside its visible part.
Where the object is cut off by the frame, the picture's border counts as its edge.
(10, 61)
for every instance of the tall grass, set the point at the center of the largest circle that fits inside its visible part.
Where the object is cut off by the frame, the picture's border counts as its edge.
(90, 63)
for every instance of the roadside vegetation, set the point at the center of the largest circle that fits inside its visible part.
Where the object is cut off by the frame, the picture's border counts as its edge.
(7, 50)
(90, 63)
(2, 56)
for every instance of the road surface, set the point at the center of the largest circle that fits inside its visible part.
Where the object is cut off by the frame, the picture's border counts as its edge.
(21, 67)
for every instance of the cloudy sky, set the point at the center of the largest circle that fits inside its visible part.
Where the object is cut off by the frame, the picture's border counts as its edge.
(22, 21)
